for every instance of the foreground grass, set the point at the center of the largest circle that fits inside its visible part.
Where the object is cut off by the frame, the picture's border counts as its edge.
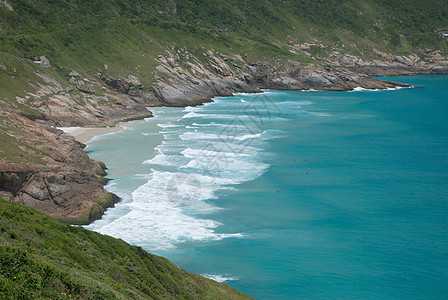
(42, 258)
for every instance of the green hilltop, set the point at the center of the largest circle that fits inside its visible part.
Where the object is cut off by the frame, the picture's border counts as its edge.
(127, 35)
(44, 259)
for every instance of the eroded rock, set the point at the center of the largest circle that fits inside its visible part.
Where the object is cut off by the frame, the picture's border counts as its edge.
(86, 88)
(6, 5)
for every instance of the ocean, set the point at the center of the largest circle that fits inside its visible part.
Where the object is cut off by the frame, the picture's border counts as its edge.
(290, 194)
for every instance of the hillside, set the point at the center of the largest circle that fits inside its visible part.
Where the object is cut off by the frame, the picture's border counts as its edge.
(42, 258)
(93, 63)
(87, 34)
(129, 35)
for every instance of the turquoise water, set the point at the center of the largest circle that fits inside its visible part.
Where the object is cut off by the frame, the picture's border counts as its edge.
(292, 195)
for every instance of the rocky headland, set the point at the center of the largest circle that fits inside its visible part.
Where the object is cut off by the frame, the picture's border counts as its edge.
(53, 174)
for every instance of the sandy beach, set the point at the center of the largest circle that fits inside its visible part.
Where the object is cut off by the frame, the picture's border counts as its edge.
(85, 134)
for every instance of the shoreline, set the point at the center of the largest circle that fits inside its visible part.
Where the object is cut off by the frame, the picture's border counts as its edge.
(86, 134)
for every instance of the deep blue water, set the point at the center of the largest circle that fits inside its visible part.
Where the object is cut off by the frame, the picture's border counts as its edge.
(293, 195)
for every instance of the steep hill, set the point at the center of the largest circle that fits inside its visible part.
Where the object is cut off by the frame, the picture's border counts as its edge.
(42, 258)
(84, 33)
(129, 35)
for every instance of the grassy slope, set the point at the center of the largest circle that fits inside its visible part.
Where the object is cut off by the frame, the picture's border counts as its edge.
(42, 258)
(127, 35)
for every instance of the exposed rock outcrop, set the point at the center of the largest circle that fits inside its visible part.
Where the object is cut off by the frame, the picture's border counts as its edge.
(43, 62)
(6, 5)
(73, 73)
(62, 183)
(86, 88)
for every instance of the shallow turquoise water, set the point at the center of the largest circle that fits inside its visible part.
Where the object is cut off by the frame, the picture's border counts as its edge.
(293, 195)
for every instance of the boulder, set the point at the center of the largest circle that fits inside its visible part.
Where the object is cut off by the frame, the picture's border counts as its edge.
(117, 84)
(133, 81)
(45, 62)
(86, 88)
(4, 4)
(73, 73)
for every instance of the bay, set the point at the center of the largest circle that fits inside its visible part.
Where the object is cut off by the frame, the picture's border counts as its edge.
(292, 195)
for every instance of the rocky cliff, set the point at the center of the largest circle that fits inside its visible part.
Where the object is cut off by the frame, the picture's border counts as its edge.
(48, 170)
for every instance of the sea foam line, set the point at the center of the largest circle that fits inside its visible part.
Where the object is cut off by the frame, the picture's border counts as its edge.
(361, 89)
(156, 218)
(220, 278)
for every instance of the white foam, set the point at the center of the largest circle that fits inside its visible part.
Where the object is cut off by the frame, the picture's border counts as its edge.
(193, 114)
(220, 278)
(156, 218)
(214, 116)
(399, 88)
(249, 136)
(196, 135)
(207, 152)
(170, 135)
(169, 125)
(236, 171)
(170, 147)
(246, 94)
(167, 160)
(271, 92)
(319, 114)
(166, 211)
(207, 124)
(101, 136)
(294, 103)
(361, 89)
(150, 133)
(191, 108)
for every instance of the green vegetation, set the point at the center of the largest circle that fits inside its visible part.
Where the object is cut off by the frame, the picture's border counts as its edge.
(42, 258)
(127, 35)
(17, 152)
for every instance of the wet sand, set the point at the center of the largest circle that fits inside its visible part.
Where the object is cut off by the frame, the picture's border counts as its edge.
(85, 134)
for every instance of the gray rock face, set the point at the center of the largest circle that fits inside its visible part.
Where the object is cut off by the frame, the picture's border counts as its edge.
(133, 81)
(73, 73)
(86, 88)
(45, 62)
(4, 4)
(116, 84)
(440, 69)
(65, 188)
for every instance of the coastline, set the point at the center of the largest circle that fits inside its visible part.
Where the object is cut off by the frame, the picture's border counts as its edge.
(85, 134)
(77, 162)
